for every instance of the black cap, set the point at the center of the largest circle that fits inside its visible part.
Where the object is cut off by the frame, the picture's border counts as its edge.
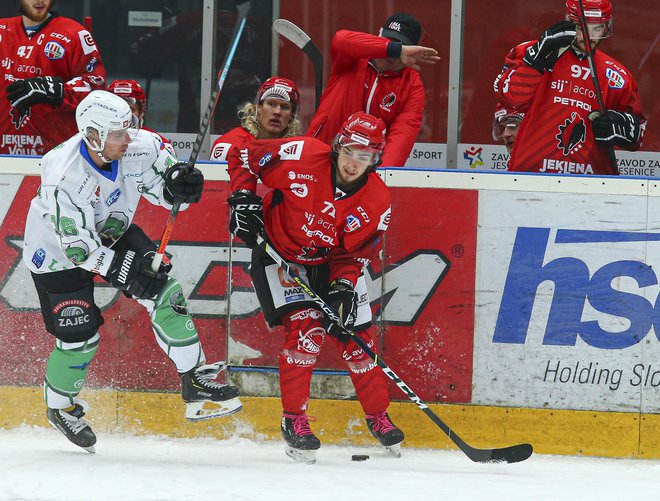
(402, 27)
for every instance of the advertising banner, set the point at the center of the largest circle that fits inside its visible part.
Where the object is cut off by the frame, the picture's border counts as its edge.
(423, 314)
(567, 301)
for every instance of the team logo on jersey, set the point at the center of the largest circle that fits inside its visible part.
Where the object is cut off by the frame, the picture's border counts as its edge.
(385, 220)
(38, 258)
(114, 196)
(388, 101)
(91, 65)
(220, 151)
(352, 223)
(86, 41)
(265, 159)
(54, 51)
(614, 79)
(291, 150)
(572, 134)
(299, 189)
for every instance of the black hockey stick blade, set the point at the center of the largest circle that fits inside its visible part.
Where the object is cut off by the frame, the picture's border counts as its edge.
(294, 34)
(511, 454)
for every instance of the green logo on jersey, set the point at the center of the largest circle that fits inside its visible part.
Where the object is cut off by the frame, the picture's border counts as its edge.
(68, 227)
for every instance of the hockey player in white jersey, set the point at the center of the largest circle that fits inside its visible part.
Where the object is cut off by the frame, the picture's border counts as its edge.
(79, 226)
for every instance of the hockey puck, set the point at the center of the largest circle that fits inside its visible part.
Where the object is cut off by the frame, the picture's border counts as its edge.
(359, 457)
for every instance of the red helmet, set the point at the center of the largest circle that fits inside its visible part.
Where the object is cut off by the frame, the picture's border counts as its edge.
(595, 12)
(280, 88)
(504, 118)
(364, 129)
(131, 91)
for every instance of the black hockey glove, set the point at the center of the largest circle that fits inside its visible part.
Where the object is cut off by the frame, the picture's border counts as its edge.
(544, 53)
(133, 274)
(616, 128)
(24, 93)
(247, 216)
(344, 300)
(183, 184)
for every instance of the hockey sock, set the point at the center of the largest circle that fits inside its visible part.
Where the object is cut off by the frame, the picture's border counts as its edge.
(66, 371)
(174, 327)
(304, 338)
(368, 379)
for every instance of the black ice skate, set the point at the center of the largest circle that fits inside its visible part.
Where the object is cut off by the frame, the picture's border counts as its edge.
(301, 443)
(205, 398)
(381, 426)
(73, 426)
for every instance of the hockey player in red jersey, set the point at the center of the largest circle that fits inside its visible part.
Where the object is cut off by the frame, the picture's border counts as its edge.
(273, 114)
(549, 79)
(325, 212)
(50, 64)
(378, 75)
(133, 93)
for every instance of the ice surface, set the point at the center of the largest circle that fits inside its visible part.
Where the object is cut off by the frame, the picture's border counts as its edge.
(40, 464)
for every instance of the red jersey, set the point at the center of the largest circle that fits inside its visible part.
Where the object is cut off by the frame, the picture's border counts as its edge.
(63, 48)
(556, 135)
(356, 85)
(307, 218)
(235, 138)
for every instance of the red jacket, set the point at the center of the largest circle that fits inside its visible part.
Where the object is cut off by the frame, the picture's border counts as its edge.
(556, 134)
(307, 219)
(356, 85)
(61, 47)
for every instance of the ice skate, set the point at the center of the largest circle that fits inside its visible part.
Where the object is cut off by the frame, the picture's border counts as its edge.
(205, 398)
(301, 443)
(381, 426)
(72, 425)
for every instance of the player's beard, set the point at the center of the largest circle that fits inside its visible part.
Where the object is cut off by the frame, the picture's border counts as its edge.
(33, 16)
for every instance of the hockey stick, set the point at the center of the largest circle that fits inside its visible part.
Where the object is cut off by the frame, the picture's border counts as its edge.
(511, 454)
(294, 34)
(242, 10)
(594, 78)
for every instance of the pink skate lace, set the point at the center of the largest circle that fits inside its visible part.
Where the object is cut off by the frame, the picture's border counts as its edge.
(381, 422)
(301, 423)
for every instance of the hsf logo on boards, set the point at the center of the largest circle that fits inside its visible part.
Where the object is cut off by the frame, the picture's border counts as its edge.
(621, 310)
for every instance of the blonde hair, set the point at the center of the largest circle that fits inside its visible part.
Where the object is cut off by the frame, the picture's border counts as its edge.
(250, 122)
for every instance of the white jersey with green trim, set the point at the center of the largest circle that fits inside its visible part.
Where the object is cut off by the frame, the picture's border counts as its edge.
(80, 210)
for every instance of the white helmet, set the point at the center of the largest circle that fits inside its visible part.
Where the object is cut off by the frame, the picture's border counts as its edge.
(102, 112)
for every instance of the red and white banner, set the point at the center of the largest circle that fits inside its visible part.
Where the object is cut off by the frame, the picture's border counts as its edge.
(424, 312)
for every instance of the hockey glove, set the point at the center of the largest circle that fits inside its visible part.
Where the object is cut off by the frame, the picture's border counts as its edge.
(616, 129)
(133, 274)
(344, 300)
(543, 55)
(247, 216)
(183, 184)
(24, 93)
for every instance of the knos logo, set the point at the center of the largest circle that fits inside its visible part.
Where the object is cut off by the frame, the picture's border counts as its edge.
(610, 307)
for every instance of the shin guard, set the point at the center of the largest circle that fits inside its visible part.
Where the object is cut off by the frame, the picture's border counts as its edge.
(66, 371)
(174, 327)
